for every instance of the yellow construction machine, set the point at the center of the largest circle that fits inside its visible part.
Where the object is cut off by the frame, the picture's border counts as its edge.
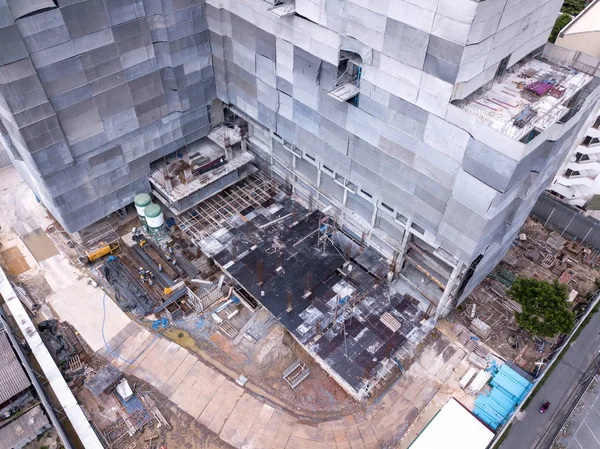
(104, 250)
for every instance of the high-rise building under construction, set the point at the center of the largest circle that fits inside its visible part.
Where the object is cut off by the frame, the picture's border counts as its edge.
(429, 126)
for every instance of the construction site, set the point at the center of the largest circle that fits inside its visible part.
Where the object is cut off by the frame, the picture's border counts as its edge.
(282, 223)
(281, 301)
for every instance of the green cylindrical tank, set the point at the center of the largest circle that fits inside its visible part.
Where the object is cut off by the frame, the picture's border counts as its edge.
(154, 218)
(141, 201)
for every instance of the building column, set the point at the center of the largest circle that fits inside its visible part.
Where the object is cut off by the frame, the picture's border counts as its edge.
(404, 245)
(446, 298)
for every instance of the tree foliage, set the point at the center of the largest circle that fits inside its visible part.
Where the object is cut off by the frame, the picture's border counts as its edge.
(560, 23)
(545, 307)
(573, 7)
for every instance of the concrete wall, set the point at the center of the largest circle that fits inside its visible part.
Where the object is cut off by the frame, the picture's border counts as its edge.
(91, 92)
(403, 148)
(568, 221)
(588, 43)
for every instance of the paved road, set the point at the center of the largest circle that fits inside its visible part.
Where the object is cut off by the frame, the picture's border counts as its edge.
(525, 434)
(583, 428)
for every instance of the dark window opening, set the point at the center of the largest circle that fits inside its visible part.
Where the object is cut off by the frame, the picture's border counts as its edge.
(468, 277)
(418, 228)
(590, 141)
(401, 218)
(569, 173)
(386, 207)
(596, 124)
(503, 66)
(347, 85)
(580, 157)
(22, 9)
(530, 136)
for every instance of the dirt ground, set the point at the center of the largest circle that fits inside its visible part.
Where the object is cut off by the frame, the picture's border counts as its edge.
(542, 255)
(186, 432)
(264, 361)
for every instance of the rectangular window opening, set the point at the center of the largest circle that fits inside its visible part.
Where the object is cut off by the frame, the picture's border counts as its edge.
(418, 228)
(387, 208)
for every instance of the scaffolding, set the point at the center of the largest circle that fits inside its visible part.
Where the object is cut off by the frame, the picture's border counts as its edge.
(221, 210)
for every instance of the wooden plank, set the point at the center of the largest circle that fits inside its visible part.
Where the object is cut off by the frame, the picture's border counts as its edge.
(246, 422)
(231, 398)
(284, 433)
(270, 432)
(176, 355)
(241, 409)
(366, 432)
(181, 396)
(340, 435)
(177, 377)
(257, 431)
(207, 383)
(353, 433)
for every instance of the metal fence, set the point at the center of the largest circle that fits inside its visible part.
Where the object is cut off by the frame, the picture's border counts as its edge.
(567, 220)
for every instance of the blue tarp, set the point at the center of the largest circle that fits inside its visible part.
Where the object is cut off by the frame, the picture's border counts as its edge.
(508, 390)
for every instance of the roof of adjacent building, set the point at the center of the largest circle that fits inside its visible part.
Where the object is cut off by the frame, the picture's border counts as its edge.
(24, 429)
(454, 427)
(587, 21)
(13, 379)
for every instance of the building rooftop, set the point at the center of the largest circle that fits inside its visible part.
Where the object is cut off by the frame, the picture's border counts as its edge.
(531, 95)
(587, 21)
(24, 429)
(13, 379)
(454, 426)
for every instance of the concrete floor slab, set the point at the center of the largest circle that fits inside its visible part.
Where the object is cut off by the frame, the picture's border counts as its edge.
(84, 307)
(207, 383)
(248, 415)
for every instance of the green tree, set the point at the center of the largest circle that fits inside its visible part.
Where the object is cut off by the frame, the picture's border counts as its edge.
(545, 307)
(573, 7)
(560, 23)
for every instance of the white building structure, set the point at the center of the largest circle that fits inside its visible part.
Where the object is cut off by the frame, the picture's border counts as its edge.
(577, 182)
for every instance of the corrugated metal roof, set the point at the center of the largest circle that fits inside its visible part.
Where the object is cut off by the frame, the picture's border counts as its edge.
(80, 424)
(509, 388)
(24, 429)
(13, 379)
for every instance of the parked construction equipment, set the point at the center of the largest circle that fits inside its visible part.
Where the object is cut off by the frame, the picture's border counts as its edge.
(104, 250)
